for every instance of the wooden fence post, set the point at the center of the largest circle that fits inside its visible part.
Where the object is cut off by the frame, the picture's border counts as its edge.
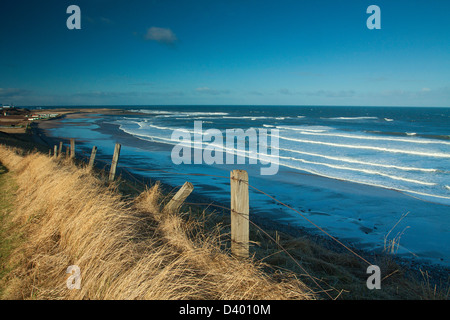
(92, 158)
(239, 213)
(55, 151)
(72, 148)
(178, 199)
(60, 148)
(114, 162)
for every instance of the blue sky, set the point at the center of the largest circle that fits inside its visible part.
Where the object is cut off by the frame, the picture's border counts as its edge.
(225, 52)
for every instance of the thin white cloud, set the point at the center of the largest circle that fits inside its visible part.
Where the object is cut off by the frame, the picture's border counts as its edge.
(376, 79)
(106, 20)
(332, 94)
(255, 93)
(98, 20)
(320, 93)
(286, 91)
(161, 35)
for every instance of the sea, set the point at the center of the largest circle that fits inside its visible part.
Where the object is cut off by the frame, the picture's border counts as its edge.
(366, 175)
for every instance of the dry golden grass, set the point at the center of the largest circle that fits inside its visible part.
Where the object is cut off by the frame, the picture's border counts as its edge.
(125, 249)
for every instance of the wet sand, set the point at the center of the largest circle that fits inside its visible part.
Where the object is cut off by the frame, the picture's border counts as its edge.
(42, 142)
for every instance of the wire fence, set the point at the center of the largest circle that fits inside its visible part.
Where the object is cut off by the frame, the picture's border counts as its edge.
(85, 157)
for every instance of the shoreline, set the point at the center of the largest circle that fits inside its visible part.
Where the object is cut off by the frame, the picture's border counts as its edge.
(440, 272)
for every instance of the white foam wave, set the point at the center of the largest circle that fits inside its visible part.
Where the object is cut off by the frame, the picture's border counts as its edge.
(150, 111)
(349, 160)
(306, 129)
(362, 171)
(205, 113)
(367, 183)
(332, 144)
(353, 118)
(247, 117)
(164, 113)
(146, 137)
(159, 127)
(419, 141)
(250, 155)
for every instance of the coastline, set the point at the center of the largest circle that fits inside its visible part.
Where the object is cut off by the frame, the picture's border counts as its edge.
(38, 139)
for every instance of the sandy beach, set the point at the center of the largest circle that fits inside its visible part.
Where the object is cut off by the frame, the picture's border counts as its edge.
(362, 231)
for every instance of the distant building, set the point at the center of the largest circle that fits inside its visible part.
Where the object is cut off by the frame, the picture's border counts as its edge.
(38, 116)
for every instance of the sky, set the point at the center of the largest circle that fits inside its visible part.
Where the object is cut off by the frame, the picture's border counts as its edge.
(225, 52)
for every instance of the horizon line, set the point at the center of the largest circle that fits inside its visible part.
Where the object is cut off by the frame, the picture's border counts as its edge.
(215, 105)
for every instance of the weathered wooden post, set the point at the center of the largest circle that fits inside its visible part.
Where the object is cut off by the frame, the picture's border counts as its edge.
(60, 149)
(92, 158)
(72, 148)
(178, 199)
(239, 213)
(55, 151)
(114, 162)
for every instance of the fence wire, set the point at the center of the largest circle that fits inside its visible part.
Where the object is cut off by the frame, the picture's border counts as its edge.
(126, 169)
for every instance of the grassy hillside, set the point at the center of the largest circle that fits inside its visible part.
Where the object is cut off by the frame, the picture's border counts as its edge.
(7, 238)
(55, 214)
(125, 249)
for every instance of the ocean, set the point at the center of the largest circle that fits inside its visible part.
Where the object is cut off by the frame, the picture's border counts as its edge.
(354, 171)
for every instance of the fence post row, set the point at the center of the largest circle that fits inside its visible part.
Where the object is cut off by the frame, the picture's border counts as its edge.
(115, 160)
(239, 213)
(239, 199)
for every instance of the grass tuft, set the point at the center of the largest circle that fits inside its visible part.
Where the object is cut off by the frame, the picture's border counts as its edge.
(125, 249)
